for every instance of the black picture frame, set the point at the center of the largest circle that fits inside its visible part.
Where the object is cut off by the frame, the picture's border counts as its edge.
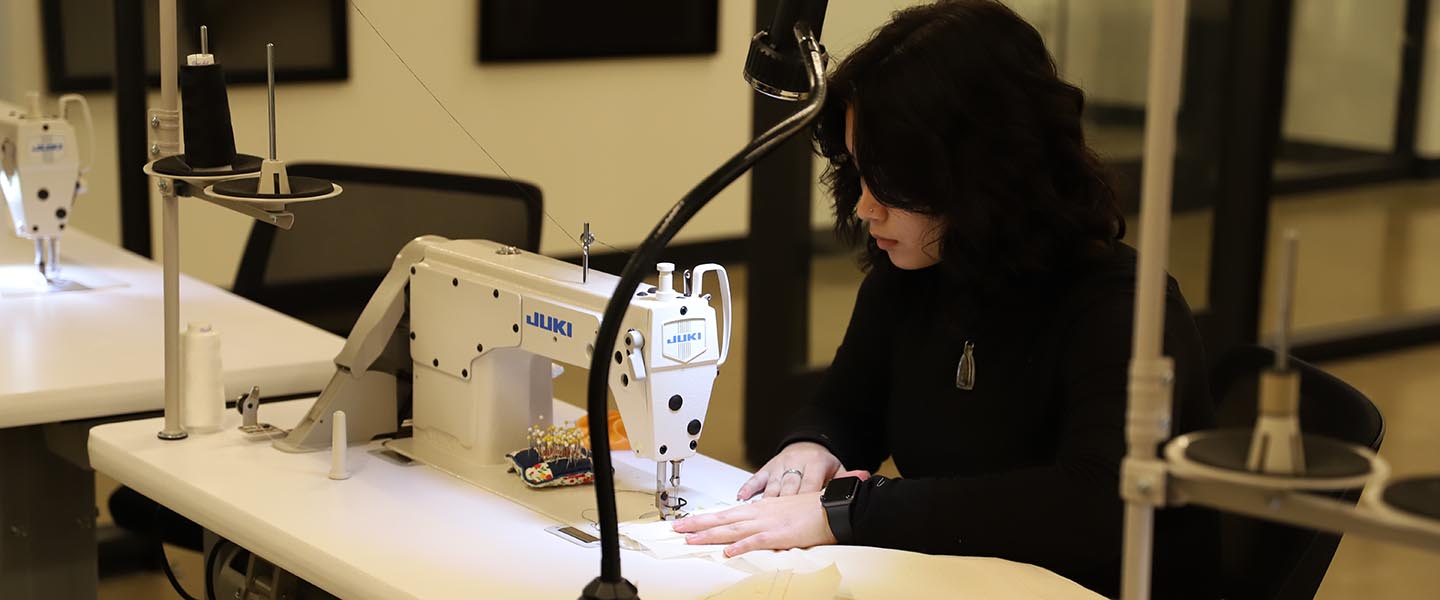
(550, 30)
(79, 61)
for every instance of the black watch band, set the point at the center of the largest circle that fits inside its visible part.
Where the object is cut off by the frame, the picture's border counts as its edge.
(837, 499)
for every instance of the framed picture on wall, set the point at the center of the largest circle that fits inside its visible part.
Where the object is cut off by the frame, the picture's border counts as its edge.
(529, 30)
(311, 39)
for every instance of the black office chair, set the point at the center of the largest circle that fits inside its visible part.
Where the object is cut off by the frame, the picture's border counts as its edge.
(1266, 560)
(324, 269)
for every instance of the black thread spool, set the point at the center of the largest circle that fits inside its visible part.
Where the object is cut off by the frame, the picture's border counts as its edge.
(209, 137)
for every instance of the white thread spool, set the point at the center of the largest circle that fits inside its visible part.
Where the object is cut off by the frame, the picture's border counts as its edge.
(338, 443)
(202, 399)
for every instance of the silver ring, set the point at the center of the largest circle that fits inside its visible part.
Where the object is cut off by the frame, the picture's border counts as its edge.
(795, 471)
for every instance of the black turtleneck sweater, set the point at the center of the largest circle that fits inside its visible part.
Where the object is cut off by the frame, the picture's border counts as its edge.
(1025, 464)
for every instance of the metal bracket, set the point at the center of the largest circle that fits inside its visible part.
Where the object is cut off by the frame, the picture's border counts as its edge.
(280, 218)
(164, 132)
(249, 407)
(1144, 481)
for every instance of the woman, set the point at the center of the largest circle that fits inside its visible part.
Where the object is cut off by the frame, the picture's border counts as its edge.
(989, 347)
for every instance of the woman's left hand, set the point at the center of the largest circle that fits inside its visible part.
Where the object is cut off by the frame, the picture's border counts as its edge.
(778, 523)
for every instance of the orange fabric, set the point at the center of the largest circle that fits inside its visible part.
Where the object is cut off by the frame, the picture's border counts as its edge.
(619, 440)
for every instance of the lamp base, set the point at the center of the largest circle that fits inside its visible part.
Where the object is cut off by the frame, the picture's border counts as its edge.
(599, 589)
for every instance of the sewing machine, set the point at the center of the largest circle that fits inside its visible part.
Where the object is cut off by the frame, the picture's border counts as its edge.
(40, 169)
(486, 324)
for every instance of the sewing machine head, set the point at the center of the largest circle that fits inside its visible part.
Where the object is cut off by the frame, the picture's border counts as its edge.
(487, 322)
(40, 170)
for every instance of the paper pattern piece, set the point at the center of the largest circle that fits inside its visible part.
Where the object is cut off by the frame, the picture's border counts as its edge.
(661, 541)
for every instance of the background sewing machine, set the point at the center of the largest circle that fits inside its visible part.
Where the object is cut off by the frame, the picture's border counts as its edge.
(40, 173)
(486, 323)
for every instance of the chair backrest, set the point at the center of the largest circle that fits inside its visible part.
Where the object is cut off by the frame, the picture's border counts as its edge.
(324, 269)
(1265, 560)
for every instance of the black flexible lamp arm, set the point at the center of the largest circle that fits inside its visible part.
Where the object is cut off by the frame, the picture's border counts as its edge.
(611, 584)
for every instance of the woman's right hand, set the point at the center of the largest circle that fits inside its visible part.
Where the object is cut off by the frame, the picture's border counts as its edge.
(800, 468)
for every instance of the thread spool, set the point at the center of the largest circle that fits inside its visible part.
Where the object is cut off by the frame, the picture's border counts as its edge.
(202, 399)
(209, 137)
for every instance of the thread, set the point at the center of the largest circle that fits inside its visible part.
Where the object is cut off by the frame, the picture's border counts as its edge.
(209, 137)
(202, 399)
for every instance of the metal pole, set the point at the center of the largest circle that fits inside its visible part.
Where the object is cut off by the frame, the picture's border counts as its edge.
(169, 94)
(1151, 374)
(270, 89)
(170, 249)
(170, 223)
(1285, 306)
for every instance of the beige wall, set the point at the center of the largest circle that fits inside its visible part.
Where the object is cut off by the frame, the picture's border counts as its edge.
(606, 152)
(21, 63)
(613, 142)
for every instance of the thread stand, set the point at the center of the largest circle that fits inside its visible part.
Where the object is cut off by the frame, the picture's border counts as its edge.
(175, 178)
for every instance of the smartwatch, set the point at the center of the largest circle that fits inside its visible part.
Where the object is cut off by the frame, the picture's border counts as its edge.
(839, 495)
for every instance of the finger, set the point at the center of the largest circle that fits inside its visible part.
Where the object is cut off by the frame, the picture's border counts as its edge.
(814, 480)
(764, 540)
(790, 483)
(772, 486)
(694, 523)
(754, 485)
(861, 474)
(724, 534)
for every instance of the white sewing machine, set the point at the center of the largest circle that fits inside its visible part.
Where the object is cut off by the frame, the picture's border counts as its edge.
(487, 322)
(40, 169)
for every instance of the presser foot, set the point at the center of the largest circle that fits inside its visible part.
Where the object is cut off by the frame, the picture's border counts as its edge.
(670, 506)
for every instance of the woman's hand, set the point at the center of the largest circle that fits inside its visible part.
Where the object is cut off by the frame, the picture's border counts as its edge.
(769, 524)
(800, 468)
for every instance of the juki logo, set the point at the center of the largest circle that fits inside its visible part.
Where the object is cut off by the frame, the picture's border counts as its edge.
(684, 337)
(549, 323)
(47, 147)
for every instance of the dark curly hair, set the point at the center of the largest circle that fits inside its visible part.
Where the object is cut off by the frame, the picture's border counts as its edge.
(960, 113)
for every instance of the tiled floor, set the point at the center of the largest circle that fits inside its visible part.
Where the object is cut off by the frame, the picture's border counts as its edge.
(1366, 253)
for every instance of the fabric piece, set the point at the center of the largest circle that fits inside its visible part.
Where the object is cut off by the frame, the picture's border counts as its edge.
(660, 539)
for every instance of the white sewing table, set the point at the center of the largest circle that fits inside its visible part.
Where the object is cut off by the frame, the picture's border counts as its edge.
(70, 358)
(100, 352)
(393, 532)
